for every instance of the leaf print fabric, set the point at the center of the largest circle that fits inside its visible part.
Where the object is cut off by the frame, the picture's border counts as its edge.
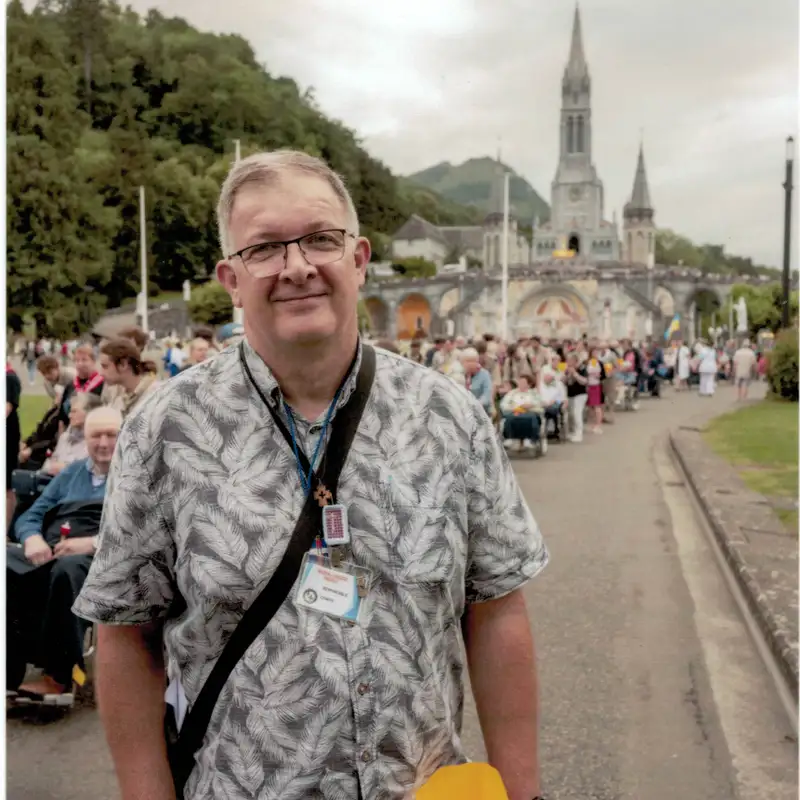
(202, 497)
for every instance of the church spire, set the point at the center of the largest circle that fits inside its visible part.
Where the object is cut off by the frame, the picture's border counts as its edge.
(640, 196)
(576, 66)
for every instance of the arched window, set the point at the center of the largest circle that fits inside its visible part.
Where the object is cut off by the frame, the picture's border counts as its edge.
(570, 135)
(579, 137)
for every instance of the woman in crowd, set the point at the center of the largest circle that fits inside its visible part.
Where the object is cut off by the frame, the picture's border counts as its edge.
(707, 368)
(576, 379)
(522, 414)
(595, 373)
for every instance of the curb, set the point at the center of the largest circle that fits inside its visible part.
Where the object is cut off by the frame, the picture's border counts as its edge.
(776, 637)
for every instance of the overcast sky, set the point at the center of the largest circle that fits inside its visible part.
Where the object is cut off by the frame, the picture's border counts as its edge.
(710, 84)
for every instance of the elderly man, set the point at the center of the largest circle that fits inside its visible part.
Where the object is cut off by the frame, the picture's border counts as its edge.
(744, 369)
(354, 689)
(87, 379)
(478, 380)
(58, 537)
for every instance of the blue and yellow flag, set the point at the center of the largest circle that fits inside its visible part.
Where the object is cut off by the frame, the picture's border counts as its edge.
(674, 327)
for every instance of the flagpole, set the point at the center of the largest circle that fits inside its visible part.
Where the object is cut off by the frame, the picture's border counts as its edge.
(238, 313)
(504, 301)
(143, 260)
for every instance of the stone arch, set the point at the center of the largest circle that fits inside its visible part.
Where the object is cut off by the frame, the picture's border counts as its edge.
(450, 299)
(413, 312)
(665, 300)
(553, 311)
(707, 305)
(378, 315)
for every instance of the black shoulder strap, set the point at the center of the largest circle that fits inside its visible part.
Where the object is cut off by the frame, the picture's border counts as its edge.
(256, 618)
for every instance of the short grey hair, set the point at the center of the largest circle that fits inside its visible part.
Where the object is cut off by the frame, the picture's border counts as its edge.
(265, 168)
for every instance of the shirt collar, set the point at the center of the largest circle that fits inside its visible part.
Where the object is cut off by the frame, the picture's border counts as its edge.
(100, 476)
(266, 381)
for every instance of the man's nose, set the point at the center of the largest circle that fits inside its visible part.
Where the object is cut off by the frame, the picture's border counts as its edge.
(297, 269)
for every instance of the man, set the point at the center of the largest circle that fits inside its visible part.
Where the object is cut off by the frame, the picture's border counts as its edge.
(446, 360)
(205, 491)
(478, 380)
(56, 377)
(58, 534)
(744, 368)
(87, 379)
(230, 334)
(123, 370)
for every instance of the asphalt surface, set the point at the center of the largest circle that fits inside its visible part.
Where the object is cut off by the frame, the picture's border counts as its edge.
(650, 688)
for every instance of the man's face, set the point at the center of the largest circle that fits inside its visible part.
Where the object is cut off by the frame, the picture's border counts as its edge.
(108, 370)
(471, 365)
(100, 441)
(303, 304)
(84, 365)
(199, 351)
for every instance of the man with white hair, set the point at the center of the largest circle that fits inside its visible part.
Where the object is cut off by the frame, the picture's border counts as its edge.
(744, 369)
(58, 535)
(478, 380)
(345, 680)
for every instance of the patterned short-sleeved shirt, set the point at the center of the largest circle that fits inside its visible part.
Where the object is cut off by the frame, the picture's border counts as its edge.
(203, 495)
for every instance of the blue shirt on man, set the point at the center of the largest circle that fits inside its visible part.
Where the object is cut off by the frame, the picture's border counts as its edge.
(74, 483)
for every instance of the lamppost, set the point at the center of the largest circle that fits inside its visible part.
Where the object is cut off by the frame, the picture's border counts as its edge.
(787, 232)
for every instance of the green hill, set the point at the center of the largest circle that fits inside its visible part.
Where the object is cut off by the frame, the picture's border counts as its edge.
(470, 184)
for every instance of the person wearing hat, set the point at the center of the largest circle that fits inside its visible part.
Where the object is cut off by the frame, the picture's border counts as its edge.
(230, 334)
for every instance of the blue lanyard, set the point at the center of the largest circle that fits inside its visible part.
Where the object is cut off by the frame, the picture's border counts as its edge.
(305, 480)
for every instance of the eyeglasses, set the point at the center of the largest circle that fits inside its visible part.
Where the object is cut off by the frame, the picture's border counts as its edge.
(266, 259)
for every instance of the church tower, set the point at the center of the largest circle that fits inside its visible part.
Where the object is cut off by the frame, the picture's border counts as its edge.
(576, 221)
(639, 229)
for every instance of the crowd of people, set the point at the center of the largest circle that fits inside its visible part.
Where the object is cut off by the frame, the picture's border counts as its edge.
(534, 388)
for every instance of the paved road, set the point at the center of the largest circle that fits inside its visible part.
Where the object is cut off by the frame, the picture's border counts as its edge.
(650, 688)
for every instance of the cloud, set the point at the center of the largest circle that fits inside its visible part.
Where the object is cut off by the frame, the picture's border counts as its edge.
(710, 85)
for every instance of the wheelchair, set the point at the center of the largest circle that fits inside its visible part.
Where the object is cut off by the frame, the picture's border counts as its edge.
(540, 446)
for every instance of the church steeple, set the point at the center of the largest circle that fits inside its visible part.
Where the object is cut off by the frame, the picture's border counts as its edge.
(639, 205)
(576, 66)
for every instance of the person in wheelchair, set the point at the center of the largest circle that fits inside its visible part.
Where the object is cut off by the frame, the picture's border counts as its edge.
(522, 411)
(57, 540)
(554, 400)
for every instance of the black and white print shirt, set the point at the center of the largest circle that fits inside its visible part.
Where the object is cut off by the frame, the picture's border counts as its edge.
(203, 495)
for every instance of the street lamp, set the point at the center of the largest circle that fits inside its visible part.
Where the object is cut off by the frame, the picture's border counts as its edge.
(787, 232)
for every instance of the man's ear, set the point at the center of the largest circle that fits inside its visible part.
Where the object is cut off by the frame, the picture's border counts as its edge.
(226, 275)
(362, 254)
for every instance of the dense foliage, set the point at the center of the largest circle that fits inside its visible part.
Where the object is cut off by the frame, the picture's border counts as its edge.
(100, 101)
(673, 250)
(210, 304)
(782, 369)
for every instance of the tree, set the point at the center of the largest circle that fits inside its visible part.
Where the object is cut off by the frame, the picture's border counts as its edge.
(210, 304)
(675, 250)
(414, 267)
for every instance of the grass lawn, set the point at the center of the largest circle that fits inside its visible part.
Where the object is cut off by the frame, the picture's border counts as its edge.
(31, 411)
(761, 442)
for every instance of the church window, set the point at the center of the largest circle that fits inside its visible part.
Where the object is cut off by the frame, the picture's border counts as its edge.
(570, 135)
(579, 136)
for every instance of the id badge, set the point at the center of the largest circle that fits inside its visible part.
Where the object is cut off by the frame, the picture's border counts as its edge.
(337, 592)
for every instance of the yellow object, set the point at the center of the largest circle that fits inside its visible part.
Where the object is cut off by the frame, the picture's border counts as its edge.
(78, 675)
(608, 368)
(464, 782)
(562, 366)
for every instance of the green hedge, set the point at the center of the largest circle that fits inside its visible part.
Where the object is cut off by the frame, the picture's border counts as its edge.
(782, 366)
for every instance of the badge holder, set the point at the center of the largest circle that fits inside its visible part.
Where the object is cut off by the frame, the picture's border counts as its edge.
(338, 592)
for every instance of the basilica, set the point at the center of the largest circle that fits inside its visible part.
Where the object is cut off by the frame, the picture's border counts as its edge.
(577, 230)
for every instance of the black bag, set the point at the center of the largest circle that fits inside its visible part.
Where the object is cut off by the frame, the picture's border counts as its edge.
(28, 483)
(182, 746)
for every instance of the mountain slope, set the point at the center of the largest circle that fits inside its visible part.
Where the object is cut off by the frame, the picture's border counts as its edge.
(470, 184)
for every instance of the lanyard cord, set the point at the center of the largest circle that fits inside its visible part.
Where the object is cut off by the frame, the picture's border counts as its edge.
(305, 480)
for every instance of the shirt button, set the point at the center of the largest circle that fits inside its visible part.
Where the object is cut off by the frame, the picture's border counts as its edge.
(366, 756)
(363, 688)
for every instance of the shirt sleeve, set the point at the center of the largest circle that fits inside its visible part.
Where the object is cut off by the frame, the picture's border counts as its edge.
(131, 580)
(505, 547)
(30, 523)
